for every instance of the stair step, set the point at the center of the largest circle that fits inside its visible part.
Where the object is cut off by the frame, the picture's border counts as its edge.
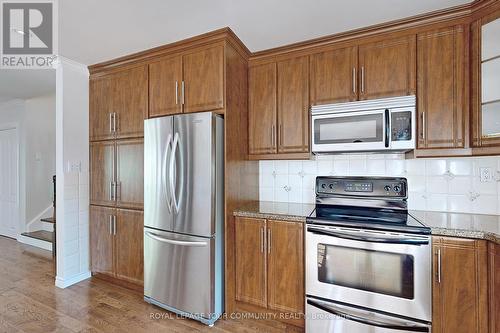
(49, 220)
(44, 235)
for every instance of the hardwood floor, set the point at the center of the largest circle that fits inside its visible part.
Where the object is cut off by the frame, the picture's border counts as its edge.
(29, 302)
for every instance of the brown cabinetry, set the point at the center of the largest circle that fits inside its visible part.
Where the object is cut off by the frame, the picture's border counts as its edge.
(188, 82)
(116, 240)
(460, 285)
(117, 173)
(279, 109)
(270, 265)
(118, 104)
(442, 80)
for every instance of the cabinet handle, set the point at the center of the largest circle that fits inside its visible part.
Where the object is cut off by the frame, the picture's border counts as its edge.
(423, 125)
(272, 135)
(115, 192)
(261, 239)
(111, 122)
(182, 92)
(111, 197)
(176, 92)
(110, 224)
(362, 79)
(439, 265)
(114, 225)
(280, 135)
(354, 80)
(268, 240)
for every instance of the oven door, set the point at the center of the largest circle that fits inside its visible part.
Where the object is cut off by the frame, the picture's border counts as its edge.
(386, 271)
(350, 131)
(329, 317)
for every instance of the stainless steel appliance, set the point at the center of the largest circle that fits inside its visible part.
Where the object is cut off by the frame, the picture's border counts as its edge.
(368, 261)
(183, 214)
(373, 125)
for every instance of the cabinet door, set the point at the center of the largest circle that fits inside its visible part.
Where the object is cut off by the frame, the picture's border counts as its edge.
(334, 76)
(441, 88)
(130, 101)
(459, 286)
(100, 109)
(293, 105)
(203, 73)
(102, 173)
(129, 239)
(387, 68)
(130, 173)
(165, 78)
(285, 266)
(250, 261)
(262, 109)
(101, 239)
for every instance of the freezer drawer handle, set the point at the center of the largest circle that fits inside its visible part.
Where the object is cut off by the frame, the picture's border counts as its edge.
(372, 239)
(378, 323)
(175, 242)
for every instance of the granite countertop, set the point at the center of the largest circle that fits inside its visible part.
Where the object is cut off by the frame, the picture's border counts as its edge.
(475, 226)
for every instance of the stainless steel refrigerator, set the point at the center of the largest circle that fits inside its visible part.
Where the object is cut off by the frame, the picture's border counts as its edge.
(184, 214)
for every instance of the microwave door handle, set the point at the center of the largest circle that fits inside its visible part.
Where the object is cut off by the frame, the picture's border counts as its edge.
(372, 239)
(387, 127)
(377, 323)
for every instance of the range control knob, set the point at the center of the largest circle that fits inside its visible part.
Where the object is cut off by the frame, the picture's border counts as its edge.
(323, 186)
(397, 188)
(330, 186)
(387, 188)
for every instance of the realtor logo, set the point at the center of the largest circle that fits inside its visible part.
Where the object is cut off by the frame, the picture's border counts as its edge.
(28, 34)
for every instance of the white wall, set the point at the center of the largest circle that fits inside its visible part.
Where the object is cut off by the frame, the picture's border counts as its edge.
(72, 149)
(434, 184)
(36, 125)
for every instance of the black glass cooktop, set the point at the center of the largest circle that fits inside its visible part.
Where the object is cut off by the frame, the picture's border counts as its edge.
(367, 218)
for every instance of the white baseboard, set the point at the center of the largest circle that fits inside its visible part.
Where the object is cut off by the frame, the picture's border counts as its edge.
(64, 283)
(35, 242)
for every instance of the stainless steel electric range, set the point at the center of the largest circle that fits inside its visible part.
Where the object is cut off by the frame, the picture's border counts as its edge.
(368, 261)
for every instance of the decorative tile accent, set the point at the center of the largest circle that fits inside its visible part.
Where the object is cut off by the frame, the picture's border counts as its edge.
(434, 184)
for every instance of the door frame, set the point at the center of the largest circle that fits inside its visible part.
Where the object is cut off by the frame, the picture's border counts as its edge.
(15, 126)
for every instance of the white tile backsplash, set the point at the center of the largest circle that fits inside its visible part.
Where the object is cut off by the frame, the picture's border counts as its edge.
(434, 184)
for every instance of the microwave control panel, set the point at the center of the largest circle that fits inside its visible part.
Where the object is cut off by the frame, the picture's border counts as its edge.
(401, 126)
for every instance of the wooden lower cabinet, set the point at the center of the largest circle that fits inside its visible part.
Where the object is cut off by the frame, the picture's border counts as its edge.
(270, 268)
(460, 286)
(116, 243)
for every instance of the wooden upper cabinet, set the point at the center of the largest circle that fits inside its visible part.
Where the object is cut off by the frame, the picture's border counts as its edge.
(460, 301)
(165, 80)
(100, 109)
(293, 105)
(101, 239)
(262, 85)
(130, 173)
(129, 254)
(285, 266)
(130, 101)
(250, 261)
(333, 76)
(102, 173)
(441, 76)
(203, 73)
(387, 68)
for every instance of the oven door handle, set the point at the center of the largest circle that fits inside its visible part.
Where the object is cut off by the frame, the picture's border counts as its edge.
(387, 117)
(371, 239)
(378, 323)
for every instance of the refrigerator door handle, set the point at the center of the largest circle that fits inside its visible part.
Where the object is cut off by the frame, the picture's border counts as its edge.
(174, 180)
(165, 174)
(175, 242)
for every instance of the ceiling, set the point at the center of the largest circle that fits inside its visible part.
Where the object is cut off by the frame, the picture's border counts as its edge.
(92, 31)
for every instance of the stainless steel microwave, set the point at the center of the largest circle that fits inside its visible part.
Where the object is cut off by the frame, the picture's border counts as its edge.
(386, 124)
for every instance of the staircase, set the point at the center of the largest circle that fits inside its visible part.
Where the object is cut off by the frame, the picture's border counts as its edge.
(45, 235)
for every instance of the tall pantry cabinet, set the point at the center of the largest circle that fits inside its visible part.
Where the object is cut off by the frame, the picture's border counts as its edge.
(118, 103)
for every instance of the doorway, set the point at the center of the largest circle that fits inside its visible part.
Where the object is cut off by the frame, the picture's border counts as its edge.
(9, 181)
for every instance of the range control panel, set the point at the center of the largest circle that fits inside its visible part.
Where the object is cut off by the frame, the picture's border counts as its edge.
(362, 186)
